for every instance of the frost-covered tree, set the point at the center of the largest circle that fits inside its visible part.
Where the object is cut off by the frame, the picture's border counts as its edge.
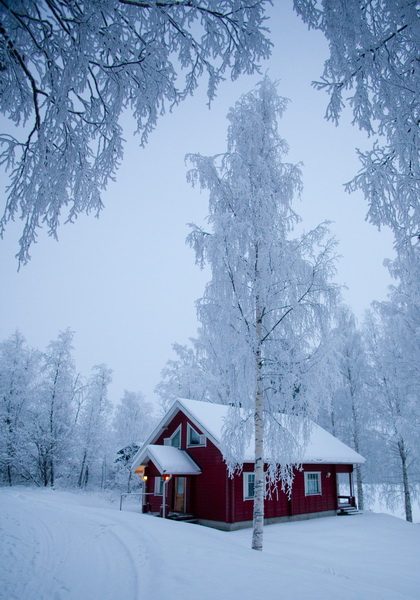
(264, 310)
(93, 425)
(393, 334)
(69, 69)
(190, 375)
(19, 368)
(133, 422)
(349, 406)
(53, 410)
(374, 64)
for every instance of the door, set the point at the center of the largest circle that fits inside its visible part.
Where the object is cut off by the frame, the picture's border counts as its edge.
(179, 500)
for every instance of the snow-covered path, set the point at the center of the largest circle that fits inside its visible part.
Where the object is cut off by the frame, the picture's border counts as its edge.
(66, 546)
(63, 550)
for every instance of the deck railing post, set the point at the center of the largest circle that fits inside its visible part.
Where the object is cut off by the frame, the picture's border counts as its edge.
(164, 500)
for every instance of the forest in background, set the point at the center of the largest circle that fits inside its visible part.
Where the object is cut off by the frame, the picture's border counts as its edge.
(58, 427)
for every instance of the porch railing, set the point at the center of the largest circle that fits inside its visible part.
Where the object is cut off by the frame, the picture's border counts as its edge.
(140, 494)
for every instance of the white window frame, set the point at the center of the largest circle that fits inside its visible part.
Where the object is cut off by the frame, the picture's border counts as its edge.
(168, 441)
(158, 486)
(246, 477)
(308, 487)
(201, 438)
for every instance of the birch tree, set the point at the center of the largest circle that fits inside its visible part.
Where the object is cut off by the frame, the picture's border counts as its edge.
(394, 351)
(263, 312)
(53, 409)
(93, 424)
(133, 422)
(350, 401)
(374, 65)
(19, 368)
(194, 373)
(69, 70)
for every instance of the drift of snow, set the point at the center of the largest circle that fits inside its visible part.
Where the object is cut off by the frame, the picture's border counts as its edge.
(66, 546)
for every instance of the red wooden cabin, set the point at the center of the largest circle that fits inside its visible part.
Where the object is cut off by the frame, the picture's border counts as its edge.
(185, 473)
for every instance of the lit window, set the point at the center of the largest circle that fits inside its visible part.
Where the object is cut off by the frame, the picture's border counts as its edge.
(313, 484)
(194, 438)
(249, 486)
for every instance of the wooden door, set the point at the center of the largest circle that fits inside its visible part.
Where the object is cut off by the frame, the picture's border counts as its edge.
(179, 500)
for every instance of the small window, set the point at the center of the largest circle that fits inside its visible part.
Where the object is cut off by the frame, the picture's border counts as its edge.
(194, 438)
(158, 486)
(174, 440)
(249, 486)
(313, 484)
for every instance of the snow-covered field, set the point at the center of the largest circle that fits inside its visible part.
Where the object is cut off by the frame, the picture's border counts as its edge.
(58, 545)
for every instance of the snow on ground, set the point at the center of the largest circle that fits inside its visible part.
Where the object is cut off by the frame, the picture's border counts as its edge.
(58, 545)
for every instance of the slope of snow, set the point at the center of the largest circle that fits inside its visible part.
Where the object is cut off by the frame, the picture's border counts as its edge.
(66, 546)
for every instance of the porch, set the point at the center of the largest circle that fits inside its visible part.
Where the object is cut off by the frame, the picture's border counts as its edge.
(346, 499)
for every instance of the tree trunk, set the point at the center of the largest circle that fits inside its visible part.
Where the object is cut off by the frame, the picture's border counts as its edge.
(406, 485)
(86, 477)
(9, 475)
(259, 486)
(51, 469)
(103, 474)
(82, 469)
(259, 489)
(359, 475)
(359, 482)
(44, 470)
(332, 415)
(356, 444)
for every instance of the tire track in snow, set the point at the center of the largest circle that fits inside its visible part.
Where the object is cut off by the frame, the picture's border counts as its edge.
(83, 553)
(29, 542)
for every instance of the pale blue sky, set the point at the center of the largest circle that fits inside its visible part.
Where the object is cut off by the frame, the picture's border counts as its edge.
(127, 283)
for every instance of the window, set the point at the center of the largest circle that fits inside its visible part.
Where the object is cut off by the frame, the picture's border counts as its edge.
(175, 439)
(158, 486)
(194, 438)
(313, 484)
(249, 486)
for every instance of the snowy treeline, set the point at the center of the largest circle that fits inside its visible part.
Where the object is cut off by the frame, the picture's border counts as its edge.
(59, 427)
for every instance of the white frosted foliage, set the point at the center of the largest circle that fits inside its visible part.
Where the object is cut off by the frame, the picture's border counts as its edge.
(374, 65)
(264, 311)
(69, 70)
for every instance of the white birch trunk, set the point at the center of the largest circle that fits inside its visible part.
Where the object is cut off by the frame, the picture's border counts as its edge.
(259, 489)
(356, 445)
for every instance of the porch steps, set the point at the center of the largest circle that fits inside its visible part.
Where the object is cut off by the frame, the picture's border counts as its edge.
(348, 509)
(184, 517)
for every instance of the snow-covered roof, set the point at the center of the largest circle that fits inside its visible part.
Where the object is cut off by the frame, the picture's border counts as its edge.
(167, 459)
(321, 447)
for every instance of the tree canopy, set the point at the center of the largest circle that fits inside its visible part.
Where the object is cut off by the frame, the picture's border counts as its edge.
(374, 64)
(69, 69)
